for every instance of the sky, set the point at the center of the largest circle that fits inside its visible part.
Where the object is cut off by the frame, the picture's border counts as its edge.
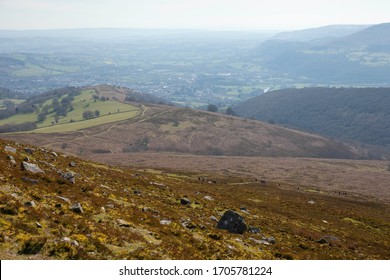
(190, 14)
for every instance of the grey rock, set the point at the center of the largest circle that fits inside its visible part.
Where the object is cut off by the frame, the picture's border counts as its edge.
(30, 167)
(207, 197)
(72, 164)
(29, 151)
(10, 149)
(311, 202)
(77, 208)
(232, 222)
(150, 210)
(31, 181)
(71, 241)
(67, 200)
(214, 219)
(257, 241)
(54, 154)
(38, 225)
(165, 222)
(69, 176)
(254, 230)
(12, 160)
(327, 239)
(185, 201)
(271, 240)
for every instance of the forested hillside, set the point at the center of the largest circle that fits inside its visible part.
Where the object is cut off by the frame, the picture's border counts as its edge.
(358, 114)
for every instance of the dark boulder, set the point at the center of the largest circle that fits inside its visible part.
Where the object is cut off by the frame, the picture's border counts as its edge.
(185, 201)
(232, 222)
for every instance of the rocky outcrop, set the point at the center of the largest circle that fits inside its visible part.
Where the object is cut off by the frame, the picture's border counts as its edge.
(232, 222)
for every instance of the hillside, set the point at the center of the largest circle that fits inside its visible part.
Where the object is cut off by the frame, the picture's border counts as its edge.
(321, 33)
(55, 206)
(357, 114)
(360, 58)
(158, 128)
(69, 109)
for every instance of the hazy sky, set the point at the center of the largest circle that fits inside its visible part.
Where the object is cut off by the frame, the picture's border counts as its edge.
(198, 14)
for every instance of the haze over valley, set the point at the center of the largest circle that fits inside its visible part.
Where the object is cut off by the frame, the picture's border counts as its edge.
(171, 135)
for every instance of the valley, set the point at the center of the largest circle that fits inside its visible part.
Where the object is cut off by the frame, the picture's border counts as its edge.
(135, 144)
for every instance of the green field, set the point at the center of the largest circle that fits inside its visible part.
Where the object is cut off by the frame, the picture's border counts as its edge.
(109, 111)
(74, 126)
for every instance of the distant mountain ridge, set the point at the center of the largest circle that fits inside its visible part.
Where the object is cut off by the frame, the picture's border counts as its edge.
(329, 32)
(357, 114)
(360, 58)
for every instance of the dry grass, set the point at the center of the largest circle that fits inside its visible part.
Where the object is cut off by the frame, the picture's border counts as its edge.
(352, 229)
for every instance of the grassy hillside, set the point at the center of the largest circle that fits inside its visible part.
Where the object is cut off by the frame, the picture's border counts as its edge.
(64, 110)
(179, 130)
(358, 114)
(75, 209)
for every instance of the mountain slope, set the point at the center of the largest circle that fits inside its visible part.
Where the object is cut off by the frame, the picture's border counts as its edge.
(323, 32)
(358, 114)
(59, 207)
(169, 129)
(361, 58)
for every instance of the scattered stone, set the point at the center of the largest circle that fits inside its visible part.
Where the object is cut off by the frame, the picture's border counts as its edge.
(9, 149)
(254, 230)
(257, 241)
(150, 210)
(29, 151)
(77, 208)
(102, 210)
(30, 167)
(327, 239)
(71, 241)
(214, 219)
(30, 203)
(122, 223)
(207, 197)
(54, 154)
(31, 181)
(12, 160)
(165, 222)
(38, 225)
(67, 200)
(110, 205)
(271, 240)
(69, 176)
(157, 184)
(311, 202)
(185, 201)
(232, 222)
(72, 164)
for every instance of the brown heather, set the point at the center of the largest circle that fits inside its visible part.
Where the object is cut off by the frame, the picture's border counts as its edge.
(123, 209)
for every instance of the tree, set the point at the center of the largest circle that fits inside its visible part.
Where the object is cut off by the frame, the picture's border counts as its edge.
(88, 115)
(212, 108)
(230, 112)
(42, 117)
